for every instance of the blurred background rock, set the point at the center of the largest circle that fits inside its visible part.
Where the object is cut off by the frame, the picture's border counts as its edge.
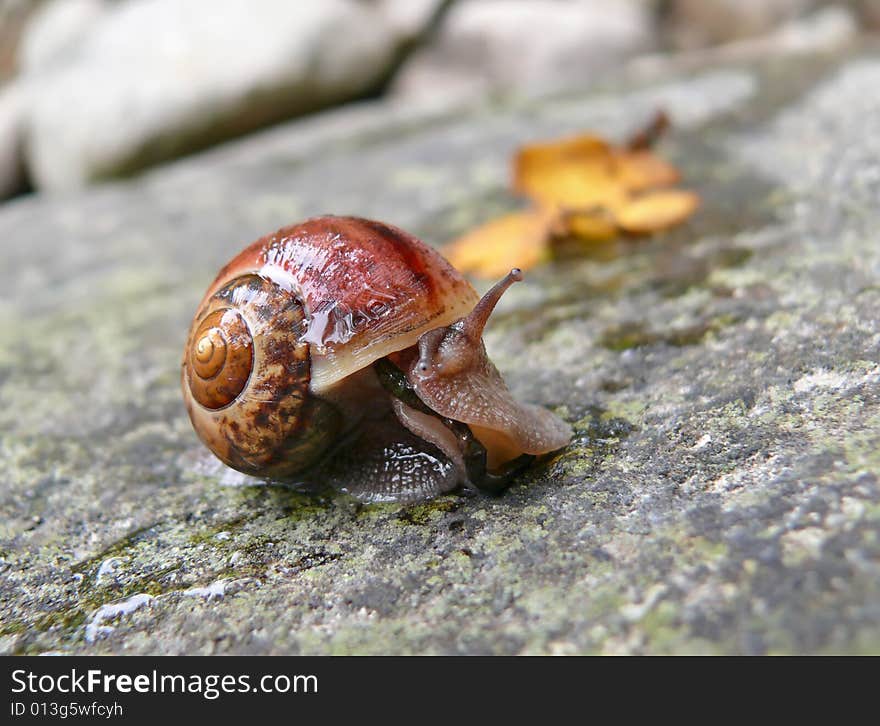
(97, 89)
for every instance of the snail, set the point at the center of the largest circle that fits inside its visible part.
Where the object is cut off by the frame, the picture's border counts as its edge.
(346, 350)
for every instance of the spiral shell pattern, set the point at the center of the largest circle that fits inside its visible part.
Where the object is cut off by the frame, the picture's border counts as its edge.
(247, 374)
(220, 357)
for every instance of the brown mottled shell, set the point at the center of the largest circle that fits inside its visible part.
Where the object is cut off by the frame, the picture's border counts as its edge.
(368, 289)
(293, 316)
(220, 358)
(246, 380)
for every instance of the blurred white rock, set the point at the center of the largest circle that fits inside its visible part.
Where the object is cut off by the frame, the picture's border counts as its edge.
(520, 45)
(701, 23)
(149, 80)
(408, 18)
(869, 13)
(825, 30)
(109, 87)
(56, 30)
(12, 177)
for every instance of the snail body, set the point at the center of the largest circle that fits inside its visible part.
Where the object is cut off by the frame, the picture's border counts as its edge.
(347, 350)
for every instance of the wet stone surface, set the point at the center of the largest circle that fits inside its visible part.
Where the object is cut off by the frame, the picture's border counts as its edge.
(721, 493)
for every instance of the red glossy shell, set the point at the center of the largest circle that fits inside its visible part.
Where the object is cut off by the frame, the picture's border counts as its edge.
(368, 288)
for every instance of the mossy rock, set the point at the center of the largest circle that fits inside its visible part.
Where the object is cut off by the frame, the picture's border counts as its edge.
(721, 492)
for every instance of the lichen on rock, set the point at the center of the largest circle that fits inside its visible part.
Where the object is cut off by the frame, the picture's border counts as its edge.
(720, 495)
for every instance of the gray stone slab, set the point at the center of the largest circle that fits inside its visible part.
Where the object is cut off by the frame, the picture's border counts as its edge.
(721, 493)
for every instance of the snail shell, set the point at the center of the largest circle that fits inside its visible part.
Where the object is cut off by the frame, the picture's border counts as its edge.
(350, 337)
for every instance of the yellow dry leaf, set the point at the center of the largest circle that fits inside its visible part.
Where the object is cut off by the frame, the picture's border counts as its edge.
(519, 239)
(574, 173)
(584, 171)
(646, 137)
(572, 149)
(572, 187)
(582, 190)
(641, 170)
(657, 210)
(593, 225)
